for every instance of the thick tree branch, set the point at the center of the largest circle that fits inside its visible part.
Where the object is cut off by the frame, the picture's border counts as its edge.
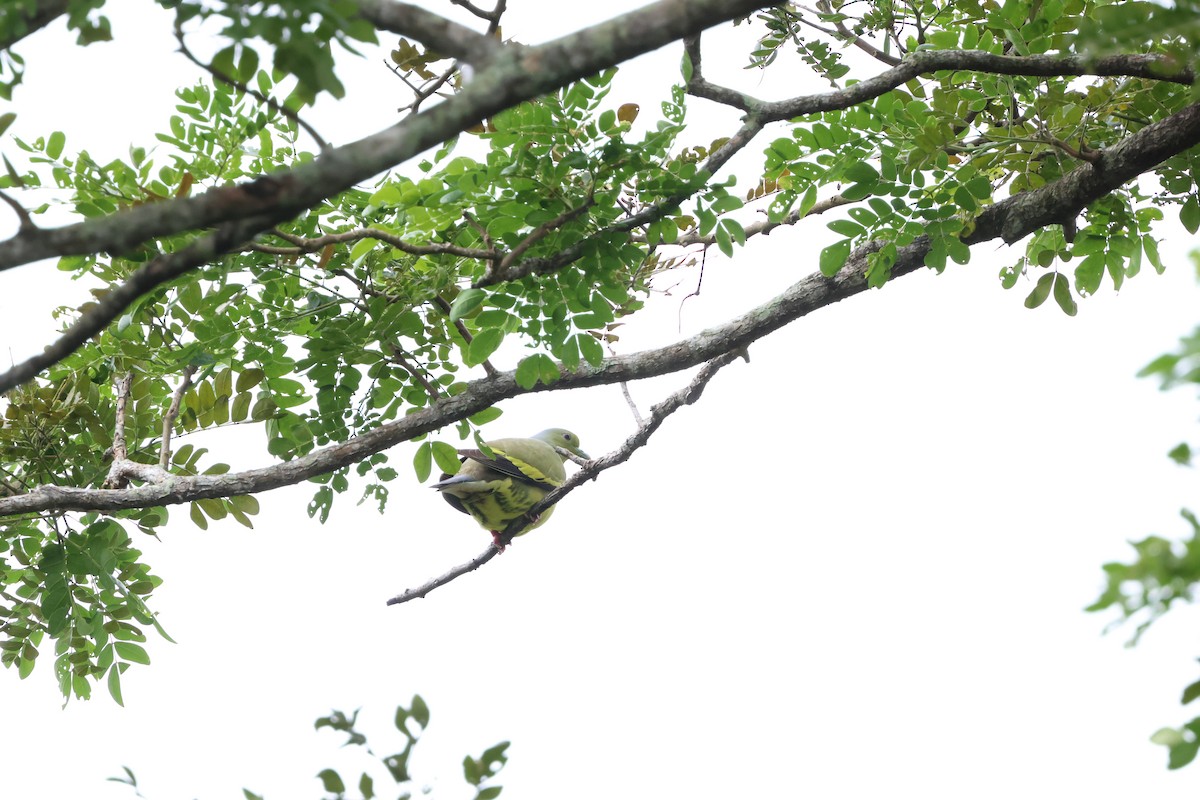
(927, 61)
(42, 14)
(1149, 67)
(515, 74)
(1024, 212)
(1060, 202)
(809, 294)
(685, 396)
(443, 36)
(154, 273)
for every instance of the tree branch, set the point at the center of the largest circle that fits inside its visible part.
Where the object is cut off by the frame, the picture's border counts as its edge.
(25, 221)
(303, 245)
(514, 75)
(568, 255)
(32, 20)
(245, 89)
(1149, 67)
(154, 273)
(764, 227)
(120, 453)
(443, 36)
(685, 396)
(849, 36)
(494, 272)
(1023, 212)
(168, 423)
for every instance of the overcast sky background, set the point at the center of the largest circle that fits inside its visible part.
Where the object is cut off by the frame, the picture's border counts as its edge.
(856, 567)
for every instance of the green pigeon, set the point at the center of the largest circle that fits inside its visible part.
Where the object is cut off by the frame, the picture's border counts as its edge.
(497, 490)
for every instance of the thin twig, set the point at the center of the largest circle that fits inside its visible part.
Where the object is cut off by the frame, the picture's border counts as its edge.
(538, 233)
(168, 424)
(462, 569)
(463, 332)
(695, 292)
(859, 42)
(304, 245)
(637, 415)
(242, 87)
(685, 396)
(1084, 153)
(423, 93)
(765, 226)
(417, 374)
(474, 9)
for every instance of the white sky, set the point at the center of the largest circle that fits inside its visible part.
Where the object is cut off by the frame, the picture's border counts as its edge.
(855, 569)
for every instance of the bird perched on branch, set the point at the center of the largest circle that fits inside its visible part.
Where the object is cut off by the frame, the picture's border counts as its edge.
(497, 489)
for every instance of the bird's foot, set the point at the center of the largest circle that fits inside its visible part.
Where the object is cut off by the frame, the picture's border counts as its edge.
(496, 541)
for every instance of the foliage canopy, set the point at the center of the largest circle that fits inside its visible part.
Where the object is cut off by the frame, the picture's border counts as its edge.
(343, 299)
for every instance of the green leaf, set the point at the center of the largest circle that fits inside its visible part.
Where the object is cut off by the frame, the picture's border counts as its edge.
(54, 146)
(1191, 693)
(1062, 295)
(471, 771)
(833, 258)
(114, 683)
(592, 352)
(726, 203)
(483, 345)
(527, 372)
(1150, 247)
(846, 228)
(6, 119)
(420, 711)
(446, 457)
(132, 652)
(332, 781)
(486, 416)
(467, 303)
(1182, 454)
(859, 190)
(861, 172)
(1189, 214)
(539, 367)
(1089, 273)
(724, 243)
(249, 378)
(1041, 291)
(423, 461)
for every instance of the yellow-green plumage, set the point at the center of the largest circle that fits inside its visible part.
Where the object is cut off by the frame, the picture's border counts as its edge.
(496, 490)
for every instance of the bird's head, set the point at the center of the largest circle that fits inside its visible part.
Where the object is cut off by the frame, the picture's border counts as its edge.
(560, 437)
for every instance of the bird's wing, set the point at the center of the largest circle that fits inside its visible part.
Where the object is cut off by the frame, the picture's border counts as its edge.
(528, 460)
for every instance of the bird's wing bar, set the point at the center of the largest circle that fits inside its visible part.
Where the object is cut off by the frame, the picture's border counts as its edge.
(510, 466)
